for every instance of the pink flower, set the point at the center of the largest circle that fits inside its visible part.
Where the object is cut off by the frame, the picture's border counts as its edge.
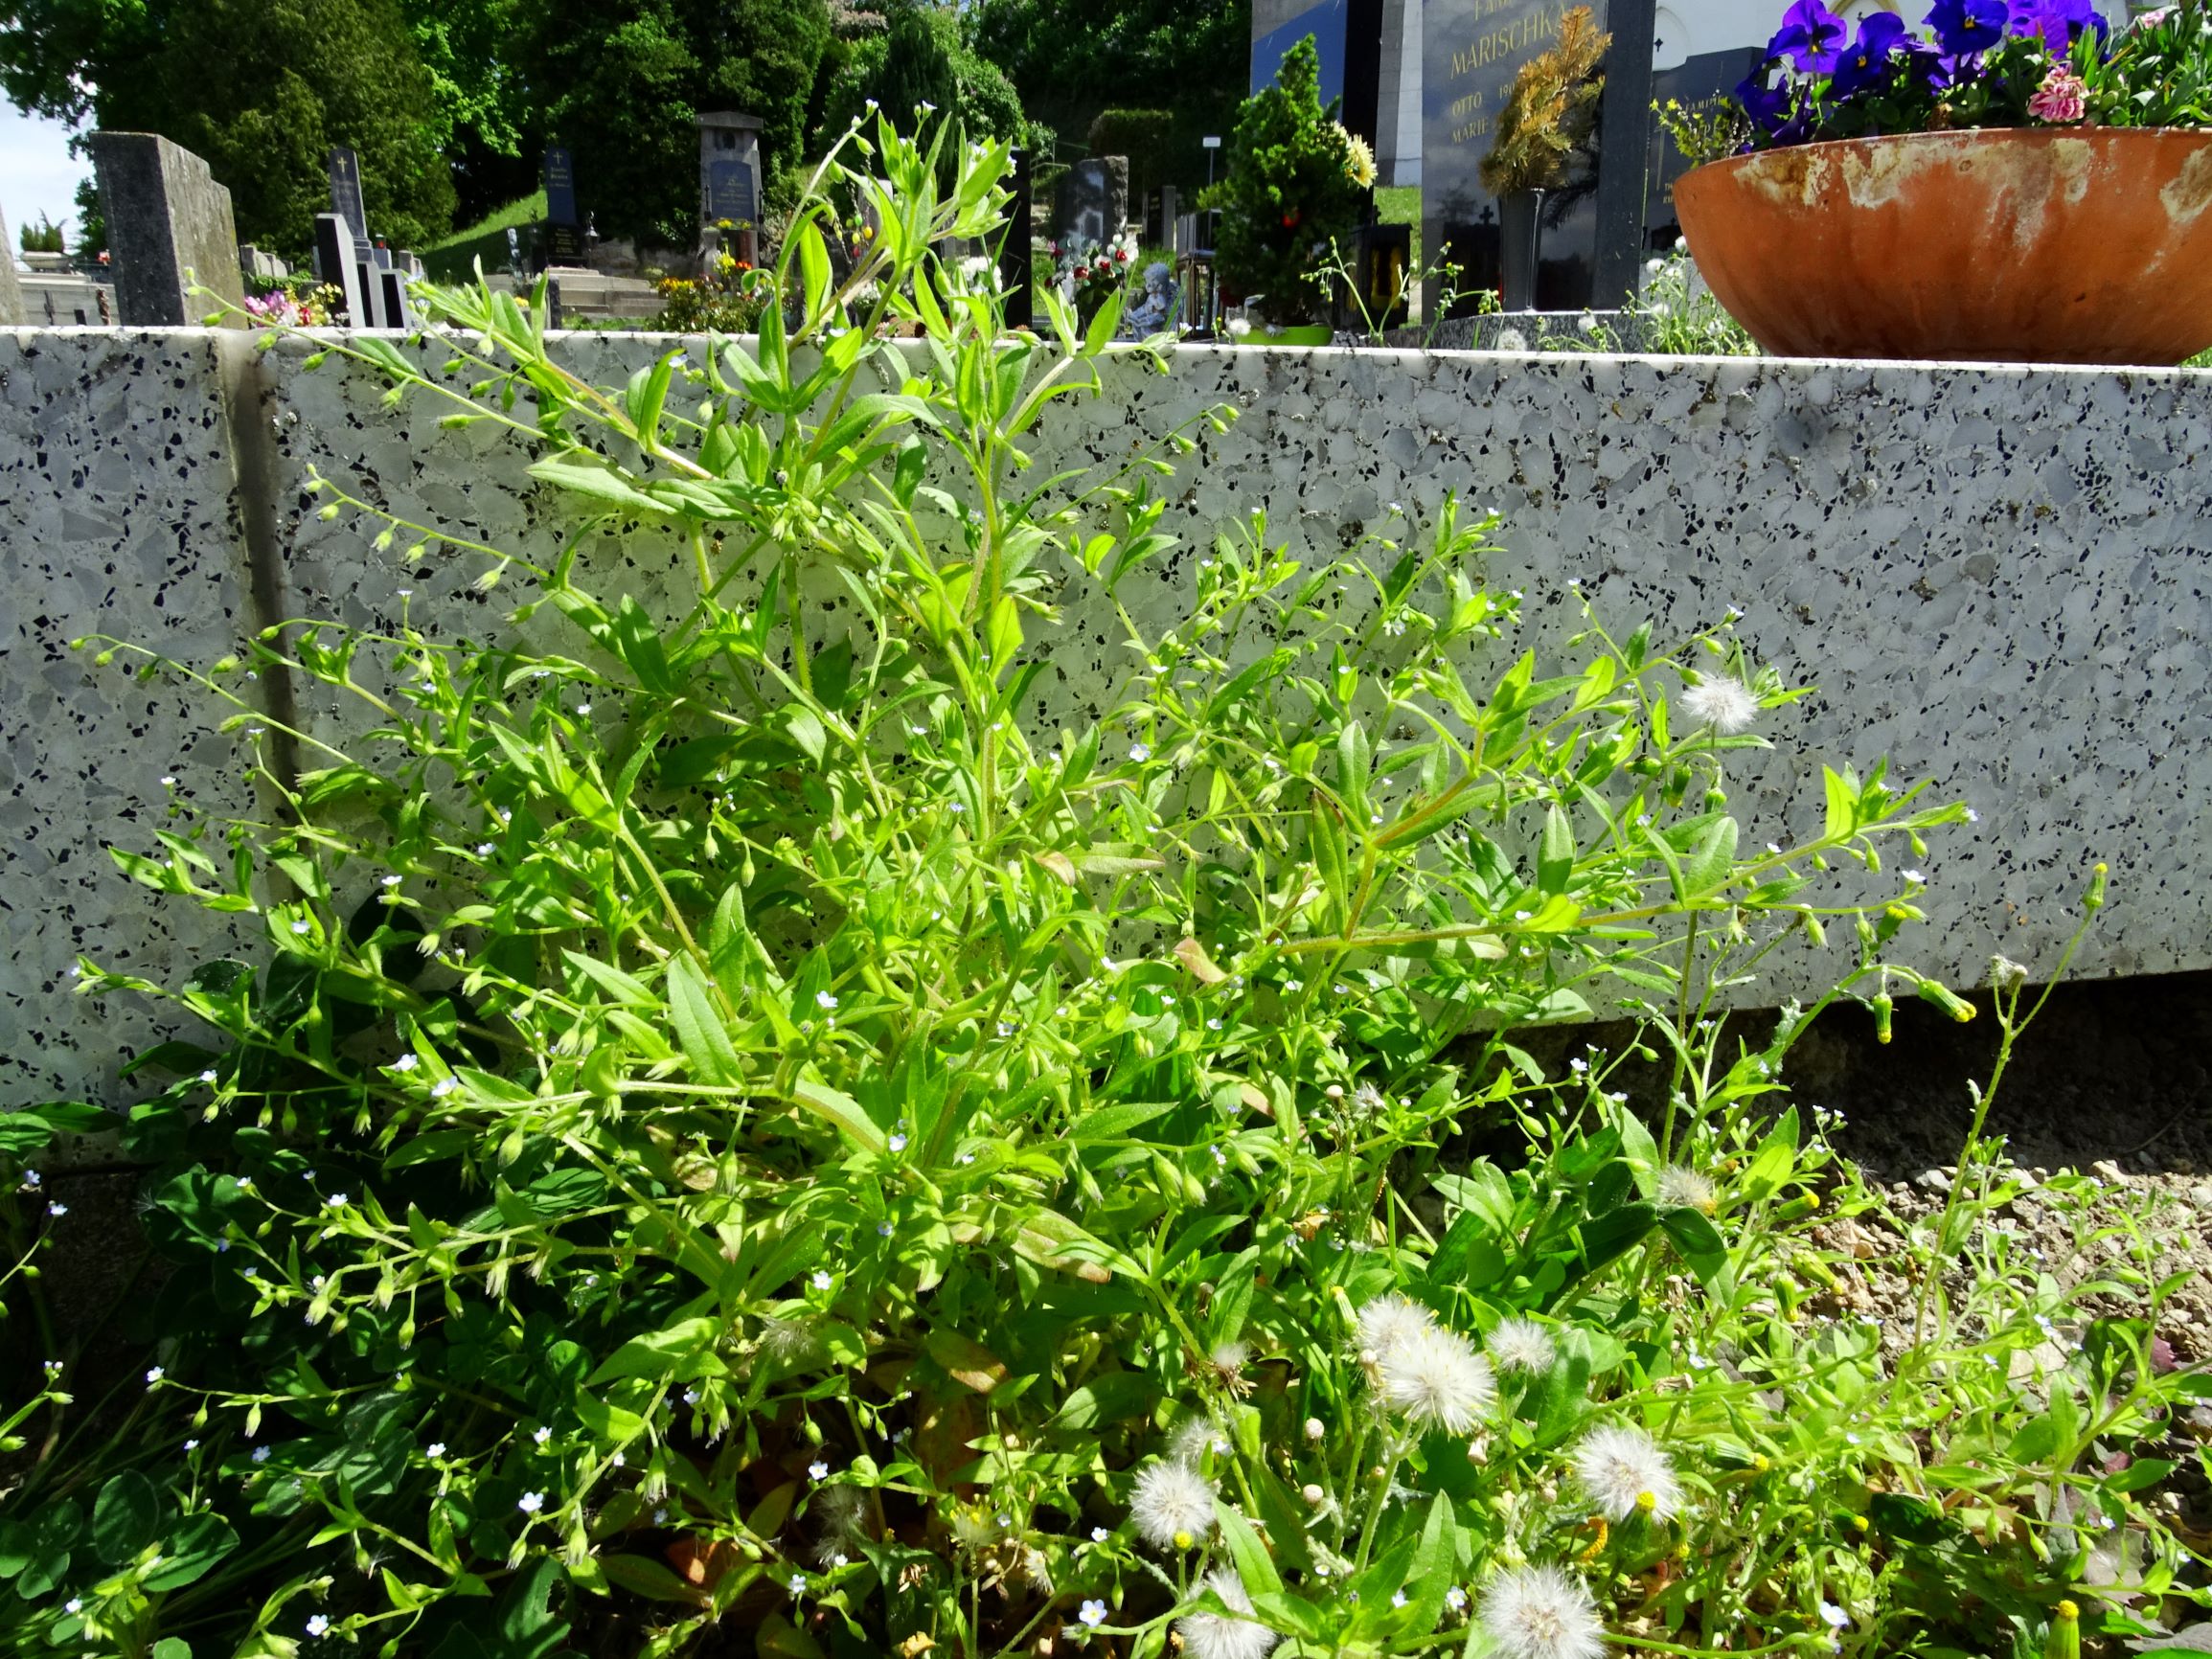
(2061, 100)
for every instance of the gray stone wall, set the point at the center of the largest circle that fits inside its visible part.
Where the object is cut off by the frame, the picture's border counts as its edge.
(1997, 577)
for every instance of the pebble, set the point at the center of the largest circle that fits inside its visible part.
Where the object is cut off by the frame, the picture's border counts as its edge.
(1932, 1180)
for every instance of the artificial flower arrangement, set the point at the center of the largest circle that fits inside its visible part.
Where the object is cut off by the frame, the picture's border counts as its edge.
(1979, 63)
(1088, 272)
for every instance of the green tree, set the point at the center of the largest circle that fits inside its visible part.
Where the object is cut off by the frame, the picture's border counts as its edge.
(624, 84)
(260, 89)
(484, 110)
(1069, 59)
(923, 58)
(1290, 190)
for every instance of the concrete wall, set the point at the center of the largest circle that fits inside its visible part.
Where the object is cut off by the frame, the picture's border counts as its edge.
(1997, 575)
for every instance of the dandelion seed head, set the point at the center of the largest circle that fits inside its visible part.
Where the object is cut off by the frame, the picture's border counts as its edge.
(1437, 1379)
(1223, 1636)
(1541, 1612)
(1521, 1344)
(1723, 703)
(1620, 1468)
(1388, 1321)
(1686, 1189)
(1170, 1500)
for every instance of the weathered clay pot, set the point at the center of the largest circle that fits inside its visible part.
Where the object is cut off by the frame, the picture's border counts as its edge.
(2077, 245)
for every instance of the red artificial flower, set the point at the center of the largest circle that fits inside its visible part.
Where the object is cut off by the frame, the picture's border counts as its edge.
(1121, 255)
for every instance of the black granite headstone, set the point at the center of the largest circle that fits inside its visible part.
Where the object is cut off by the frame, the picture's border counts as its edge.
(561, 187)
(1623, 154)
(346, 193)
(1014, 248)
(169, 227)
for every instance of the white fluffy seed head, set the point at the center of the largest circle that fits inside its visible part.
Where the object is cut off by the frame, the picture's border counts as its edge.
(1522, 1344)
(1170, 1500)
(1218, 1636)
(1723, 703)
(1390, 1320)
(1541, 1612)
(1690, 1189)
(1194, 1440)
(1625, 1473)
(1438, 1380)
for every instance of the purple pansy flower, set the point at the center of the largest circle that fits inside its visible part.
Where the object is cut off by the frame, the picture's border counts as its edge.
(1866, 62)
(2057, 21)
(1767, 106)
(1810, 36)
(1964, 27)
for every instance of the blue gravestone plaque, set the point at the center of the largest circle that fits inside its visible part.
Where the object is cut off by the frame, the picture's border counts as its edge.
(729, 189)
(346, 193)
(561, 187)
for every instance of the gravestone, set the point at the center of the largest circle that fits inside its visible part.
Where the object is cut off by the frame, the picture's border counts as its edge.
(1094, 201)
(564, 224)
(730, 176)
(1015, 275)
(346, 193)
(11, 313)
(1624, 153)
(166, 217)
(336, 265)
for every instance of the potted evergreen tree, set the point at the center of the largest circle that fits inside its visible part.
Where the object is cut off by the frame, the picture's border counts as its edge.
(1296, 185)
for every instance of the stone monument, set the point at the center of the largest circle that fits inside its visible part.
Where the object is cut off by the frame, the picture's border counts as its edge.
(169, 227)
(730, 180)
(12, 312)
(337, 264)
(563, 226)
(1094, 201)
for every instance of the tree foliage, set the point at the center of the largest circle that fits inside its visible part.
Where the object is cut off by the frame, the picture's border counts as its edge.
(260, 89)
(623, 85)
(922, 59)
(1070, 59)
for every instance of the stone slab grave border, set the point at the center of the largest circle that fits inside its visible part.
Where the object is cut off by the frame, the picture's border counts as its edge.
(1997, 577)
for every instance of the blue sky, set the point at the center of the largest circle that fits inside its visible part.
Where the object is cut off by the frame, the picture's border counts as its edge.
(38, 173)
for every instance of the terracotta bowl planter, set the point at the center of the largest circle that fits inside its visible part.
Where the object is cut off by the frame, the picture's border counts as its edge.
(2088, 246)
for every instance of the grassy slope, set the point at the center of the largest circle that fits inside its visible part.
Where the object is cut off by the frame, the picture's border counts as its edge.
(526, 211)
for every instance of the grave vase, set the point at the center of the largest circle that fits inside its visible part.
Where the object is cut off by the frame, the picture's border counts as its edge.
(2008, 244)
(1519, 241)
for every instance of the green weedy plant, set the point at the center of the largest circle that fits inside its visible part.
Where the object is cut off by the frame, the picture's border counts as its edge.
(744, 1132)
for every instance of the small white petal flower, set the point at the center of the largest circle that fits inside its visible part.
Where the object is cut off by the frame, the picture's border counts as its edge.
(821, 1280)
(207, 1076)
(1172, 1501)
(1220, 1636)
(1099, 1535)
(58, 1210)
(260, 1454)
(437, 1448)
(818, 1470)
(1723, 703)
(73, 1605)
(155, 1374)
(1522, 1344)
(542, 1434)
(442, 1087)
(530, 1503)
(798, 1583)
(1833, 1616)
(896, 1143)
(301, 926)
(1624, 1472)
(1139, 751)
(1093, 1613)
(335, 1201)
(1455, 1598)
(317, 1625)
(405, 1064)
(1541, 1612)
(1438, 1380)
(824, 1000)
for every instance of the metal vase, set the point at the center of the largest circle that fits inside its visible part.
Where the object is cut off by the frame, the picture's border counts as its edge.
(1520, 242)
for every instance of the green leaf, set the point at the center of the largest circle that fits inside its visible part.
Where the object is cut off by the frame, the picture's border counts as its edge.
(675, 1351)
(966, 1361)
(1116, 1396)
(126, 1517)
(1254, 1565)
(1004, 638)
(700, 1032)
(595, 478)
(191, 1551)
(642, 1576)
(1711, 859)
(173, 1647)
(1556, 856)
(841, 1110)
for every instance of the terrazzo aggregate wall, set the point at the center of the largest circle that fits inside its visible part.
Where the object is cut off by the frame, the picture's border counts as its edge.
(1995, 575)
